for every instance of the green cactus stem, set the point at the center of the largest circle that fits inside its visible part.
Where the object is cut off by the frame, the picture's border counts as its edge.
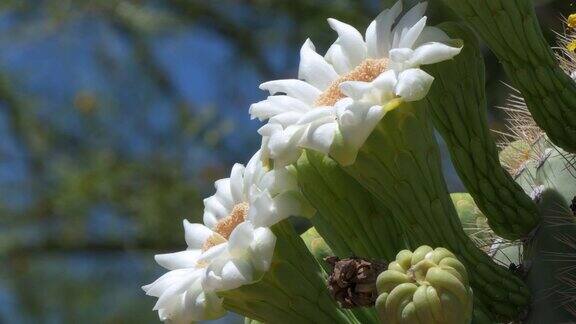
(317, 246)
(511, 29)
(346, 212)
(548, 173)
(400, 164)
(549, 262)
(292, 291)
(425, 286)
(457, 104)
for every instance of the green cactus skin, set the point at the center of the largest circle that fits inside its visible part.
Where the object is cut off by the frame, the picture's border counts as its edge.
(425, 286)
(400, 164)
(550, 168)
(473, 222)
(457, 102)
(292, 291)
(317, 246)
(550, 258)
(511, 29)
(346, 212)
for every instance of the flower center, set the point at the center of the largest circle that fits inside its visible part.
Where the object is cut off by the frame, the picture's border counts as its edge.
(226, 225)
(366, 71)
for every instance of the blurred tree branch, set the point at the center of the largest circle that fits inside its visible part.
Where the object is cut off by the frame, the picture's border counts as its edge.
(243, 38)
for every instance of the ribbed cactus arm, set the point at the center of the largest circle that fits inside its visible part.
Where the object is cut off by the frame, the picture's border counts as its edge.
(351, 220)
(511, 29)
(457, 102)
(400, 164)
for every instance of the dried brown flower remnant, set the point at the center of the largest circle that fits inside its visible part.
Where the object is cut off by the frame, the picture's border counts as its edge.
(352, 282)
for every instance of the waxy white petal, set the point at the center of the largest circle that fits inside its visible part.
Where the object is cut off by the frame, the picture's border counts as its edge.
(314, 68)
(413, 84)
(294, 88)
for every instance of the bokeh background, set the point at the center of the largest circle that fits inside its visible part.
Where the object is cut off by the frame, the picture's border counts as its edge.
(116, 116)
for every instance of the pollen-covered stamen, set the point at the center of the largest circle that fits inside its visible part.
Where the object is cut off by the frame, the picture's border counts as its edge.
(226, 225)
(366, 71)
(571, 21)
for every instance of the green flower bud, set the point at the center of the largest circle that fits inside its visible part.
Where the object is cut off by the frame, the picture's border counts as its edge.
(424, 286)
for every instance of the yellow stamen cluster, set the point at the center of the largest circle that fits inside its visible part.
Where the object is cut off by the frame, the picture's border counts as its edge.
(226, 225)
(571, 46)
(571, 21)
(366, 71)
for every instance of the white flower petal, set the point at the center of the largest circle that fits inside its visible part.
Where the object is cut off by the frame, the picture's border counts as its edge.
(284, 145)
(236, 176)
(279, 180)
(413, 33)
(432, 53)
(227, 274)
(379, 34)
(339, 60)
(286, 119)
(432, 34)
(262, 210)
(320, 136)
(314, 68)
(213, 253)
(195, 234)
(252, 174)
(386, 82)
(240, 239)
(413, 84)
(358, 121)
(214, 211)
(178, 260)
(350, 40)
(160, 285)
(287, 204)
(407, 21)
(355, 89)
(275, 105)
(263, 248)
(319, 114)
(294, 88)
(224, 193)
(203, 306)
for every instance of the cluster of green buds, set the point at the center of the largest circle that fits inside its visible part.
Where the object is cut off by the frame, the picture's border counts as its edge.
(425, 286)
(350, 145)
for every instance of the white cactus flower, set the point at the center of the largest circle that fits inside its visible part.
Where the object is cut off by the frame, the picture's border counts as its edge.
(232, 248)
(301, 113)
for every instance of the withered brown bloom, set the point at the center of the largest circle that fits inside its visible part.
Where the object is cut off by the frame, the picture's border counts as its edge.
(352, 282)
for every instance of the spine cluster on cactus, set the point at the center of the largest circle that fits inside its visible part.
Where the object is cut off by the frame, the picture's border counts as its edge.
(351, 146)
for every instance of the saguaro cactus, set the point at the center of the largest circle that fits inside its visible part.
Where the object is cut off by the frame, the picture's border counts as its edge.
(350, 145)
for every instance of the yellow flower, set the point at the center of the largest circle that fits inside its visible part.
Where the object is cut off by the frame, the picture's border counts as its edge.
(572, 21)
(571, 46)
